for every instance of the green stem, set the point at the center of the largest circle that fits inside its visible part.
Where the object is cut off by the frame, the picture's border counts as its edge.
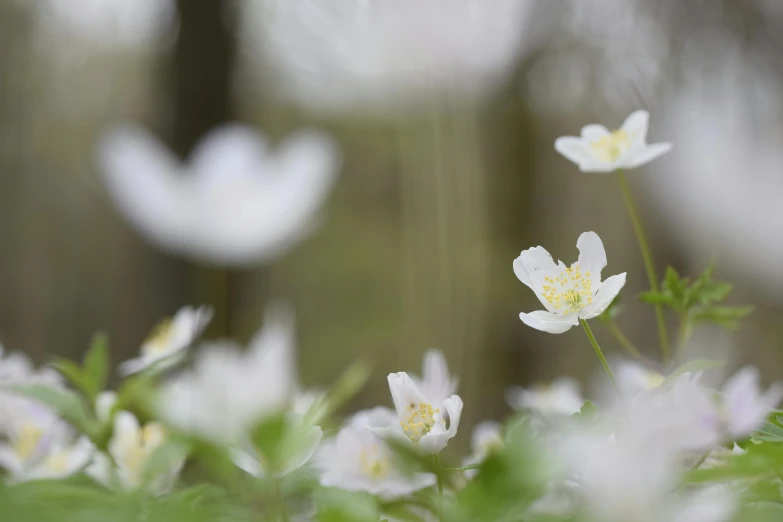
(648, 261)
(701, 460)
(440, 477)
(598, 352)
(624, 342)
(685, 334)
(283, 514)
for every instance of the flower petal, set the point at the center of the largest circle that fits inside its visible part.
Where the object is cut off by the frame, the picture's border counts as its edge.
(453, 407)
(532, 266)
(646, 155)
(604, 297)
(592, 256)
(635, 126)
(574, 149)
(594, 132)
(436, 383)
(548, 322)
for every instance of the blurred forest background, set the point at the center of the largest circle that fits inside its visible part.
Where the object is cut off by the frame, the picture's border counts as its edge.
(416, 242)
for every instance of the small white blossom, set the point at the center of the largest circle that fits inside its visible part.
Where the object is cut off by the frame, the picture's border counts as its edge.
(130, 448)
(436, 383)
(39, 445)
(233, 202)
(634, 378)
(599, 150)
(229, 391)
(568, 293)
(358, 459)
(487, 438)
(378, 417)
(560, 397)
(428, 424)
(168, 340)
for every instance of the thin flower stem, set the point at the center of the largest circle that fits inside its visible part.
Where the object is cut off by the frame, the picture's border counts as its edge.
(684, 336)
(278, 491)
(598, 352)
(648, 262)
(701, 460)
(624, 342)
(440, 478)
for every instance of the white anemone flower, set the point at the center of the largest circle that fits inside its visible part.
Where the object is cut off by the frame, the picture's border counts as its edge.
(387, 54)
(436, 383)
(358, 459)
(599, 150)
(634, 378)
(39, 445)
(568, 293)
(378, 417)
(229, 390)
(561, 397)
(234, 201)
(428, 424)
(130, 448)
(168, 340)
(487, 438)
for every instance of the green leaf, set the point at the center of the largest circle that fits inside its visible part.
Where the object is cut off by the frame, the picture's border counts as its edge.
(673, 285)
(696, 365)
(335, 505)
(656, 298)
(96, 364)
(65, 402)
(726, 316)
(166, 457)
(268, 438)
(74, 374)
(587, 411)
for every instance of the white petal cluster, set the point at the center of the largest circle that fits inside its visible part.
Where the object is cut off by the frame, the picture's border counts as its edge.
(233, 202)
(568, 293)
(601, 150)
(561, 397)
(169, 339)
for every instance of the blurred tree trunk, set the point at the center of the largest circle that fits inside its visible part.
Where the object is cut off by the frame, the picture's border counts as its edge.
(203, 71)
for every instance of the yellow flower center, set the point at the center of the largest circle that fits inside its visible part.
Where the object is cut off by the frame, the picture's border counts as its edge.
(374, 463)
(420, 421)
(654, 379)
(609, 148)
(27, 440)
(58, 462)
(159, 339)
(139, 445)
(570, 291)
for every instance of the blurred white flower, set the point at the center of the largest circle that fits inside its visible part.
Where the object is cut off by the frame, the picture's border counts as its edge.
(233, 202)
(383, 54)
(229, 391)
(359, 460)
(130, 448)
(16, 368)
(599, 150)
(745, 405)
(487, 438)
(168, 340)
(634, 378)
(38, 445)
(562, 397)
(428, 424)
(378, 417)
(568, 293)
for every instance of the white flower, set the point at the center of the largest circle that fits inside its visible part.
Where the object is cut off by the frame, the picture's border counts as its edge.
(561, 397)
(598, 150)
(568, 293)
(436, 384)
(383, 54)
(359, 460)
(487, 438)
(130, 448)
(428, 424)
(39, 445)
(229, 391)
(233, 202)
(634, 378)
(745, 406)
(169, 338)
(378, 417)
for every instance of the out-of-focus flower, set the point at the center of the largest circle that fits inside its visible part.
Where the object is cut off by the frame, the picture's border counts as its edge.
(745, 405)
(229, 391)
(39, 445)
(634, 378)
(487, 438)
(428, 425)
(233, 202)
(169, 339)
(378, 417)
(568, 293)
(561, 397)
(384, 54)
(130, 447)
(436, 383)
(599, 150)
(16, 369)
(359, 460)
